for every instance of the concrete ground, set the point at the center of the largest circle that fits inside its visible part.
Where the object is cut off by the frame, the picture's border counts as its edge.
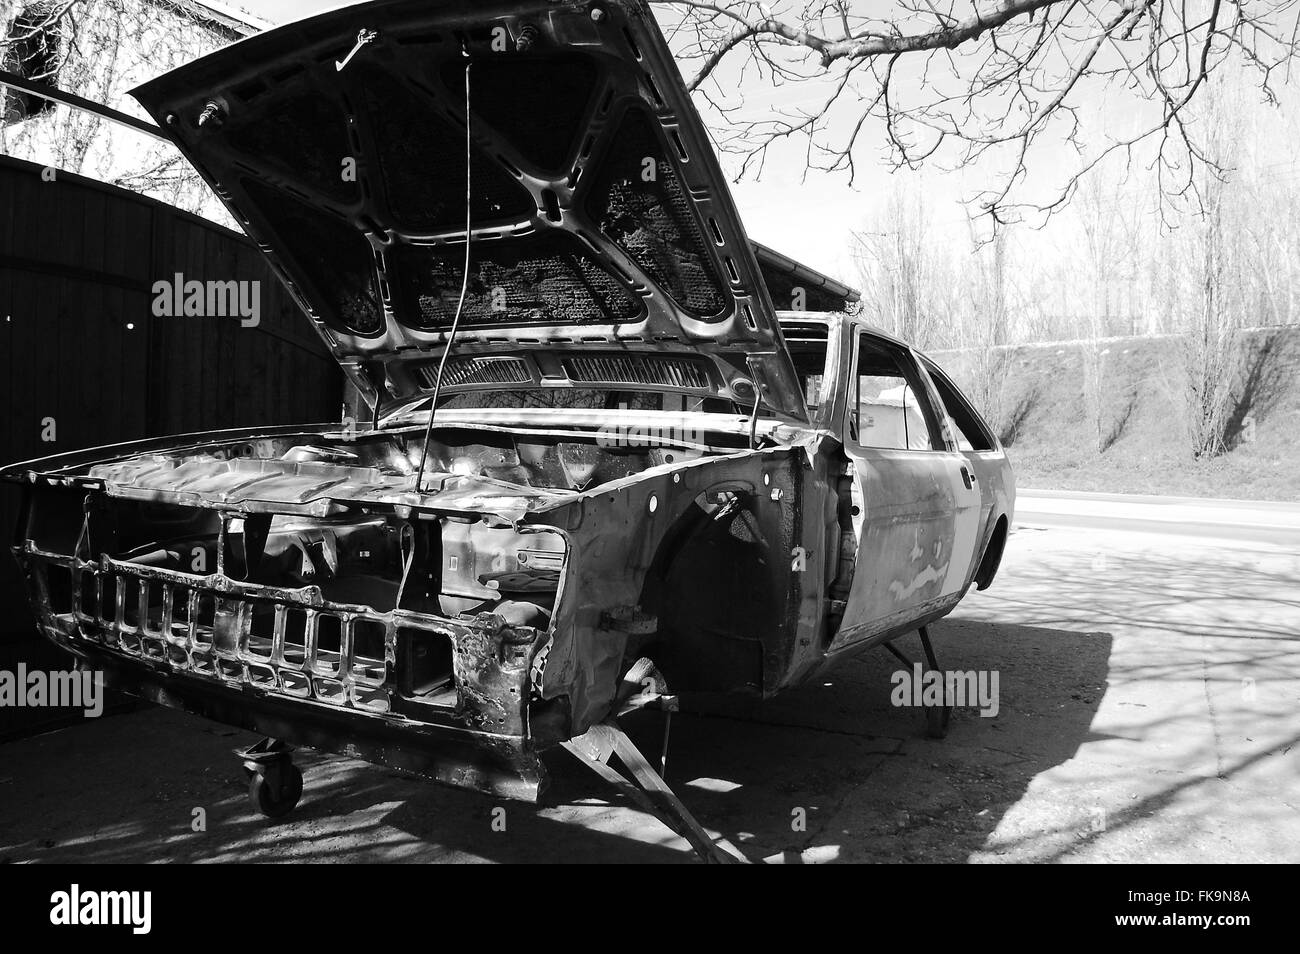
(1150, 710)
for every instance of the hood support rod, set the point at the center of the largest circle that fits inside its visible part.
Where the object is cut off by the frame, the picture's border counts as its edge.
(64, 98)
(464, 283)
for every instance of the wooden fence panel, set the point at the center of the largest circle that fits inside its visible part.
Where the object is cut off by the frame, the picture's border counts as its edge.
(79, 342)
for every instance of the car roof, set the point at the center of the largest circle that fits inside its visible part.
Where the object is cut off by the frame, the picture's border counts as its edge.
(838, 318)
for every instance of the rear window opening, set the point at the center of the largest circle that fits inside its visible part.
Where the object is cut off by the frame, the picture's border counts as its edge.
(972, 433)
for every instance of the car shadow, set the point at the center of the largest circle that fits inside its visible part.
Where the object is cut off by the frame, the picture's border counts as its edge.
(831, 771)
(834, 772)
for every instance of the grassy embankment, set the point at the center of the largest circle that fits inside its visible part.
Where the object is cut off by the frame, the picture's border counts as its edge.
(1039, 403)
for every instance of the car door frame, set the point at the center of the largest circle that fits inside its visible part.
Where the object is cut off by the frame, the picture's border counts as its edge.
(988, 464)
(918, 524)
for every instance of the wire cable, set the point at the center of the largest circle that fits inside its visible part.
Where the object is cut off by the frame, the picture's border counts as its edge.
(464, 286)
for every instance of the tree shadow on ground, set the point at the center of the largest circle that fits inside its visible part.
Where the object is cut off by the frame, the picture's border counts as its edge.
(1264, 379)
(827, 772)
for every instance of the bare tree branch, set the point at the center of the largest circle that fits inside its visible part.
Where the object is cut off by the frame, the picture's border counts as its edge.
(965, 81)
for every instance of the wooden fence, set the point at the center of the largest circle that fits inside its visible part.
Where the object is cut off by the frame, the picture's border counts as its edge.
(84, 362)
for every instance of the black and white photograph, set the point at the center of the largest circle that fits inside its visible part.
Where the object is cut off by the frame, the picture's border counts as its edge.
(651, 432)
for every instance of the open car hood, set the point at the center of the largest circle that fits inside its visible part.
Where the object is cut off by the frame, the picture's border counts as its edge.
(606, 251)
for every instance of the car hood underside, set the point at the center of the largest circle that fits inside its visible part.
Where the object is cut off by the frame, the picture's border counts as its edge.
(605, 249)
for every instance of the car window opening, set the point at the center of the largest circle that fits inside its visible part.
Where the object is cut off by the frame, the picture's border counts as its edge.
(891, 409)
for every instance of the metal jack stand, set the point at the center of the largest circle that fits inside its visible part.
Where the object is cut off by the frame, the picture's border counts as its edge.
(650, 791)
(936, 717)
(274, 782)
(647, 787)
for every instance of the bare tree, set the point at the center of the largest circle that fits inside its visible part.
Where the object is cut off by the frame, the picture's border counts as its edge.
(100, 49)
(1109, 254)
(942, 294)
(1267, 206)
(906, 275)
(984, 323)
(1209, 296)
(962, 80)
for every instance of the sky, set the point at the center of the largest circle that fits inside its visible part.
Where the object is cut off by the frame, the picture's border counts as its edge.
(811, 215)
(810, 220)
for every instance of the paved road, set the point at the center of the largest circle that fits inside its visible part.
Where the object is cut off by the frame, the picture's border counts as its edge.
(1150, 711)
(1246, 520)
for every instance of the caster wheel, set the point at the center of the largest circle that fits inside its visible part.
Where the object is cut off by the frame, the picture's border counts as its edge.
(275, 803)
(936, 721)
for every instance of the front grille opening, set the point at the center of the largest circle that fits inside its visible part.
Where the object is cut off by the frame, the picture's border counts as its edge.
(261, 629)
(295, 635)
(108, 598)
(205, 620)
(89, 594)
(425, 667)
(330, 690)
(58, 588)
(228, 631)
(180, 611)
(295, 683)
(231, 669)
(329, 642)
(370, 699)
(132, 594)
(151, 605)
(368, 638)
(152, 534)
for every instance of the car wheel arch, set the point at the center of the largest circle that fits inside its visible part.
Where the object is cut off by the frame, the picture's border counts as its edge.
(993, 550)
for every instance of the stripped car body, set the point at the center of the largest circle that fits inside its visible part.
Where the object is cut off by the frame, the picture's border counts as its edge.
(629, 460)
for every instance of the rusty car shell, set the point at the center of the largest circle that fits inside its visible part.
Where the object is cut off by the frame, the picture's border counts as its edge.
(455, 604)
